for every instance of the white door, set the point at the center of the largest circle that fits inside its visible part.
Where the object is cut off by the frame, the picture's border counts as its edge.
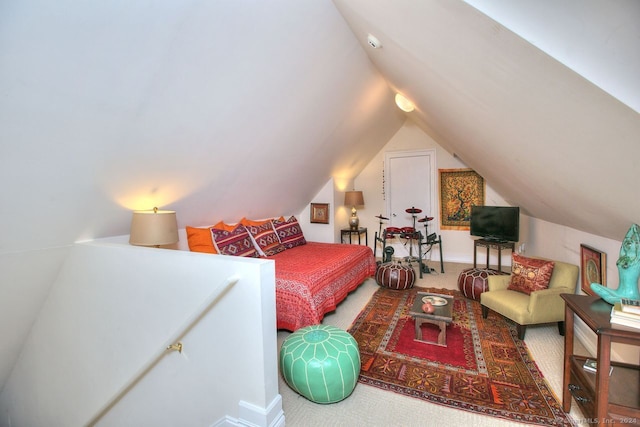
(410, 182)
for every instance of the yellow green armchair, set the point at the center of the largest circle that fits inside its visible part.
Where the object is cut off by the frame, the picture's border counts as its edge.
(543, 306)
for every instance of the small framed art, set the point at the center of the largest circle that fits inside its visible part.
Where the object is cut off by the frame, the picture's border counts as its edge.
(593, 268)
(320, 213)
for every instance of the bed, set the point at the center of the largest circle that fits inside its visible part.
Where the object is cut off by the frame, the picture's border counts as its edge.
(312, 279)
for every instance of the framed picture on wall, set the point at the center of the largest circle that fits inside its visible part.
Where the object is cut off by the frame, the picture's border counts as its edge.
(593, 268)
(320, 213)
(460, 189)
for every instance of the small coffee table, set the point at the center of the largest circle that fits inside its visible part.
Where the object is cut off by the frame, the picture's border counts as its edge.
(441, 317)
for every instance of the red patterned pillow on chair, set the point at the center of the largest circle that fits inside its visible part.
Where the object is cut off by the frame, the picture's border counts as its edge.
(237, 242)
(289, 232)
(530, 274)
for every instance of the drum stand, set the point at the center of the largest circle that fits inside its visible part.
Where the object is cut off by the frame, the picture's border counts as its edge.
(410, 234)
(432, 239)
(387, 251)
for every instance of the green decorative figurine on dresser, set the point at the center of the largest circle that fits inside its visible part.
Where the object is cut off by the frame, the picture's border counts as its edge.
(628, 270)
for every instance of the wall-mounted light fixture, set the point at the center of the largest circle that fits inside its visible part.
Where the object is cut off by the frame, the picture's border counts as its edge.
(153, 228)
(404, 104)
(353, 199)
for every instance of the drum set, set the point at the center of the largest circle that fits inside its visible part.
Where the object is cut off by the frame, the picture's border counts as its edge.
(412, 237)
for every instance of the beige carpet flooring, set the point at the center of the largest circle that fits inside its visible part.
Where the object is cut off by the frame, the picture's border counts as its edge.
(370, 406)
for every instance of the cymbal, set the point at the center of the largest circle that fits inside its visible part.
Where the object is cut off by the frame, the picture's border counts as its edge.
(425, 219)
(413, 210)
(382, 217)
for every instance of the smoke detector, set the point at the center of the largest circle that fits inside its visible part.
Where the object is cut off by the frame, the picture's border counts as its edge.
(373, 42)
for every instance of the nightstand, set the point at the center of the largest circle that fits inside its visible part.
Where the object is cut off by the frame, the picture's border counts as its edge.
(359, 232)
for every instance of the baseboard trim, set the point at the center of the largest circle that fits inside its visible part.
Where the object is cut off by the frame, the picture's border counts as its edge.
(255, 416)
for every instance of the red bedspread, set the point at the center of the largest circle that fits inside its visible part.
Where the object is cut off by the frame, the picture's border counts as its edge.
(312, 279)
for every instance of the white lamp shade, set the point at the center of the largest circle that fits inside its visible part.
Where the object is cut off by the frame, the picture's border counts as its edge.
(153, 228)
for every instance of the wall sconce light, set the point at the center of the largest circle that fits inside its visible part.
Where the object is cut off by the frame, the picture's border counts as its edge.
(153, 228)
(353, 199)
(404, 104)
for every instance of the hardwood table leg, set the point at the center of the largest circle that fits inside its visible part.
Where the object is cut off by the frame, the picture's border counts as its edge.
(568, 351)
(418, 329)
(442, 336)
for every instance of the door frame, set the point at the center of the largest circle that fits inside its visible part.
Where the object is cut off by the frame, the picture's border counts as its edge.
(434, 227)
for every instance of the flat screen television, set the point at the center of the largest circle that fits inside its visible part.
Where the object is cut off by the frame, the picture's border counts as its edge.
(496, 223)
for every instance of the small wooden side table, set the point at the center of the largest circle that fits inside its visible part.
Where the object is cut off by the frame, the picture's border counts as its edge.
(441, 317)
(490, 244)
(359, 232)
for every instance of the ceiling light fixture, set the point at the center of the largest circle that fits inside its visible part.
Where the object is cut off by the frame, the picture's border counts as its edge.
(404, 104)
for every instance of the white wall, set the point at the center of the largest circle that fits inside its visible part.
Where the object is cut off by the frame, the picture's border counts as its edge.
(114, 307)
(457, 245)
(316, 232)
(192, 106)
(25, 280)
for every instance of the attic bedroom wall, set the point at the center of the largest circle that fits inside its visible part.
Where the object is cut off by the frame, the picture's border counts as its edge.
(547, 138)
(457, 245)
(540, 238)
(217, 110)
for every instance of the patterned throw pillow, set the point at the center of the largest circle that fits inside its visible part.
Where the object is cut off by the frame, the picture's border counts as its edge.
(265, 237)
(237, 242)
(530, 274)
(289, 232)
(199, 240)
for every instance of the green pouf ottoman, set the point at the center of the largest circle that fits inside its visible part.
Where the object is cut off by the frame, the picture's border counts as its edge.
(320, 362)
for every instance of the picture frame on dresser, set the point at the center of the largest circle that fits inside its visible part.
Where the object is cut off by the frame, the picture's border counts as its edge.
(593, 268)
(319, 213)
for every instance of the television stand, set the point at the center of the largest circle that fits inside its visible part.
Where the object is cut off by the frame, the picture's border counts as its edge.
(491, 244)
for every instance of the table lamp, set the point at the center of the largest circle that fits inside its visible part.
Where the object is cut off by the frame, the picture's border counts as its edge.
(153, 228)
(353, 199)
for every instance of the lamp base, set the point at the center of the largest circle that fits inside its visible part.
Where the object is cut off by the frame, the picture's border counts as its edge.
(354, 222)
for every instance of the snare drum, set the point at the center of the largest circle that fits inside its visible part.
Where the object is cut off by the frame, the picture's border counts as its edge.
(408, 233)
(390, 232)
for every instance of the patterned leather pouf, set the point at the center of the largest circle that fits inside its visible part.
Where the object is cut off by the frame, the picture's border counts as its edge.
(473, 281)
(320, 362)
(395, 276)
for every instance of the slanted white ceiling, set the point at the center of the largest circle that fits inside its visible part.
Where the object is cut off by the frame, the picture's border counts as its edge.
(600, 40)
(546, 138)
(215, 109)
(231, 108)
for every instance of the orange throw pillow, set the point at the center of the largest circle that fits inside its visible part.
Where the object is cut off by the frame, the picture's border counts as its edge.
(246, 222)
(200, 240)
(226, 227)
(529, 274)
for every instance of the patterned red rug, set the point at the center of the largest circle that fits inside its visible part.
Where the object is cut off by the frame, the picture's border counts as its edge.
(484, 368)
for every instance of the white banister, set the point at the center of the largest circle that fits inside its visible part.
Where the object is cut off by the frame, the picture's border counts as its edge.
(192, 320)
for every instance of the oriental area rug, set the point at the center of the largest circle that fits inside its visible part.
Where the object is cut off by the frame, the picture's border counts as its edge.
(484, 368)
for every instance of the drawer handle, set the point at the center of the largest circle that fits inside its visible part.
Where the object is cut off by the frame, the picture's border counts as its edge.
(574, 388)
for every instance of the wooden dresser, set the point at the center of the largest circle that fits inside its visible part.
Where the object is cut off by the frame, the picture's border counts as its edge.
(605, 399)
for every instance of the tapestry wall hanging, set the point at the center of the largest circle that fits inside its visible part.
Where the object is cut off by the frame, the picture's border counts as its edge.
(459, 190)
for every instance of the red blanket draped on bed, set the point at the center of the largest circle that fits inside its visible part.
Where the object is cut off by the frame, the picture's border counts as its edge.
(312, 279)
